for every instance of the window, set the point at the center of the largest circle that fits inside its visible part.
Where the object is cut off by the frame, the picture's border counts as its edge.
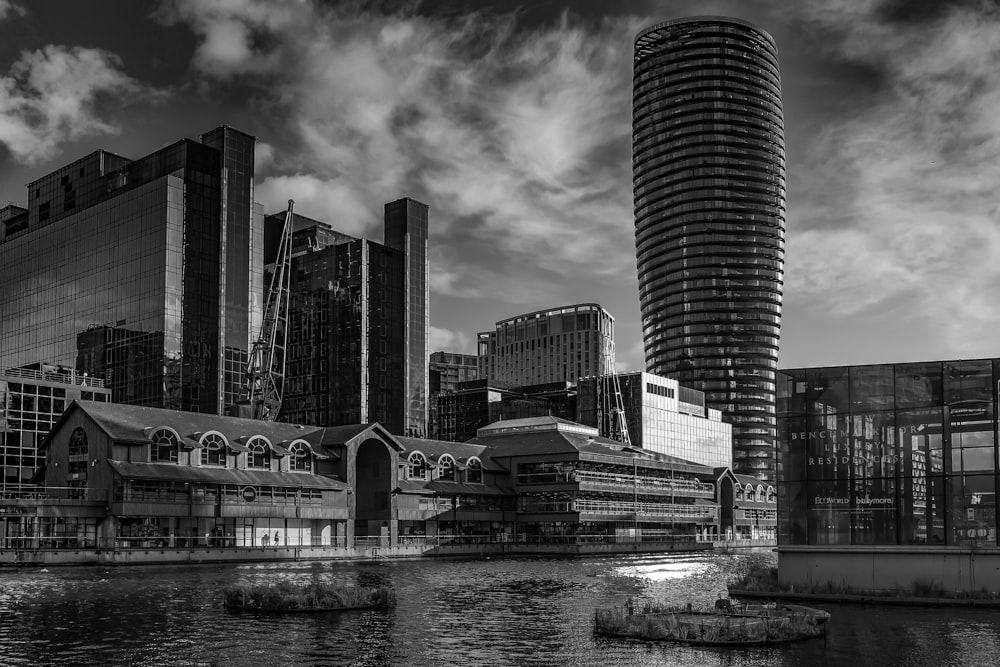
(258, 455)
(417, 466)
(739, 492)
(213, 451)
(301, 458)
(164, 446)
(78, 442)
(474, 474)
(447, 470)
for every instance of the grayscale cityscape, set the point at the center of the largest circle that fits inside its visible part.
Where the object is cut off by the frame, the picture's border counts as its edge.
(499, 333)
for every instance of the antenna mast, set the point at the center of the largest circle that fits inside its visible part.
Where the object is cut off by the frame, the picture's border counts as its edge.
(265, 372)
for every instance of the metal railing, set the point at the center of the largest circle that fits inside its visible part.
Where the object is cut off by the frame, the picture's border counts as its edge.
(53, 493)
(54, 376)
(623, 507)
(683, 487)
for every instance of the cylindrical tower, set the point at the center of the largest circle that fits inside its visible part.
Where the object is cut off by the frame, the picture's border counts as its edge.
(709, 188)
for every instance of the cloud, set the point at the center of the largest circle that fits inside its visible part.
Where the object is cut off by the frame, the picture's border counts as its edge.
(907, 222)
(330, 201)
(520, 131)
(52, 95)
(8, 7)
(439, 339)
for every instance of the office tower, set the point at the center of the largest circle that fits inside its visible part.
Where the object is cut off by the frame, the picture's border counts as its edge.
(406, 231)
(32, 399)
(444, 371)
(139, 272)
(556, 345)
(353, 326)
(709, 188)
(661, 416)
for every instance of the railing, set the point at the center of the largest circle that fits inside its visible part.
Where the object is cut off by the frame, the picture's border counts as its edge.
(53, 376)
(684, 487)
(53, 493)
(624, 507)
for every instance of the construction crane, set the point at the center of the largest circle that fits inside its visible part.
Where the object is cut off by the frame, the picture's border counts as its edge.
(265, 373)
(612, 404)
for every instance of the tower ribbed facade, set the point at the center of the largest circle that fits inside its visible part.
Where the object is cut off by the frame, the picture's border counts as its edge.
(709, 191)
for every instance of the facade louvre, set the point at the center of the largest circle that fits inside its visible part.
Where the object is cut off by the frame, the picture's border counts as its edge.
(709, 194)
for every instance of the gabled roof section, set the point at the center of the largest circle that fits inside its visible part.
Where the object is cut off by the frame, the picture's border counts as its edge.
(340, 436)
(434, 449)
(176, 473)
(128, 423)
(751, 480)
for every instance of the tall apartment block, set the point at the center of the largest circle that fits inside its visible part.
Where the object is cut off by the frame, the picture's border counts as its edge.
(709, 192)
(445, 371)
(556, 345)
(357, 321)
(32, 399)
(662, 416)
(145, 274)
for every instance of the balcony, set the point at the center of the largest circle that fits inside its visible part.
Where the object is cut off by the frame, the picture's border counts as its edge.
(597, 481)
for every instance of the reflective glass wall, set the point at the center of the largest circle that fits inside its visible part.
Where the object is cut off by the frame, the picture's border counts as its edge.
(709, 194)
(889, 454)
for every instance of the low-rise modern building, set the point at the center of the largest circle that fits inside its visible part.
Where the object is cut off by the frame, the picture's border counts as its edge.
(888, 474)
(133, 484)
(660, 414)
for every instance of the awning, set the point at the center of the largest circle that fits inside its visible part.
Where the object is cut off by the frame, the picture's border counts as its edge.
(209, 475)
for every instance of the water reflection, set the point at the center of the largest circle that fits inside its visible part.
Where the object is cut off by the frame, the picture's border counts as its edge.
(450, 612)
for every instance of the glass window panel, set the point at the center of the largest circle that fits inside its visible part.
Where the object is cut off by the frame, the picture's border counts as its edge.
(827, 389)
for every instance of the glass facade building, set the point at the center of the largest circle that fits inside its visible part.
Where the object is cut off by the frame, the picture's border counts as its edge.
(709, 195)
(661, 416)
(354, 327)
(894, 454)
(444, 371)
(556, 345)
(31, 401)
(139, 272)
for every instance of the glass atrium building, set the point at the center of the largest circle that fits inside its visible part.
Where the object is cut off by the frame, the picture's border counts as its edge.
(709, 194)
(879, 465)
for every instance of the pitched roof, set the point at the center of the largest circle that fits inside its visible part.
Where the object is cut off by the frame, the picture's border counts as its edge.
(434, 449)
(176, 473)
(753, 481)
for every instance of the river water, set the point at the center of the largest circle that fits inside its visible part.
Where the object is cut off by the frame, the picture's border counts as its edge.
(500, 611)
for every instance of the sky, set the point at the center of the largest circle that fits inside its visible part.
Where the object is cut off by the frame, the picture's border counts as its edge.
(512, 121)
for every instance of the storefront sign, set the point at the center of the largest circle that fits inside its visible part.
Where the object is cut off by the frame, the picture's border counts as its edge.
(249, 494)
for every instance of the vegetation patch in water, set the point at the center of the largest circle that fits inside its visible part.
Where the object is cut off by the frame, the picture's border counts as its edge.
(285, 596)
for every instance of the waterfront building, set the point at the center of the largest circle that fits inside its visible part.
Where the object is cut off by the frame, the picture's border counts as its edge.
(32, 398)
(477, 403)
(556, 345)
(355, 324)
(139, 272)
(660, 414)
(888, 474)
(709, 191)
(444, 371)
(134, 484)
(571, 482)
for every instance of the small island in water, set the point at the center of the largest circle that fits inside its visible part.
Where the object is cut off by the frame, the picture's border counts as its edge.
(285, 597)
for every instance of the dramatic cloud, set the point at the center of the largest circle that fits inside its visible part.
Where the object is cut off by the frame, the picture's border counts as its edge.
(51, 95)
(895, 207)
(8, 7)
(520, 134)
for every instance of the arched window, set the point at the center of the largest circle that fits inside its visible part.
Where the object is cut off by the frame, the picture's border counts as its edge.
(258, 456)
(417, 466)
(751, 496)
(164, 446)
(447, 470)
(739, 492)
(770, 494)
(213, 452)
(78, 442)
(474, 474)
(300, 458)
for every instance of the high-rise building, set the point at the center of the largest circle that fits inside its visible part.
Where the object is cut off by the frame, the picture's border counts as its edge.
(556, 345)
(31, 401)
(661, 415)
(709, 188)
(141, 273)
(445, 371)
(353, 327)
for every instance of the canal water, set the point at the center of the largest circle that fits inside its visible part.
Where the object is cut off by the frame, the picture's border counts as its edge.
(500, 611)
